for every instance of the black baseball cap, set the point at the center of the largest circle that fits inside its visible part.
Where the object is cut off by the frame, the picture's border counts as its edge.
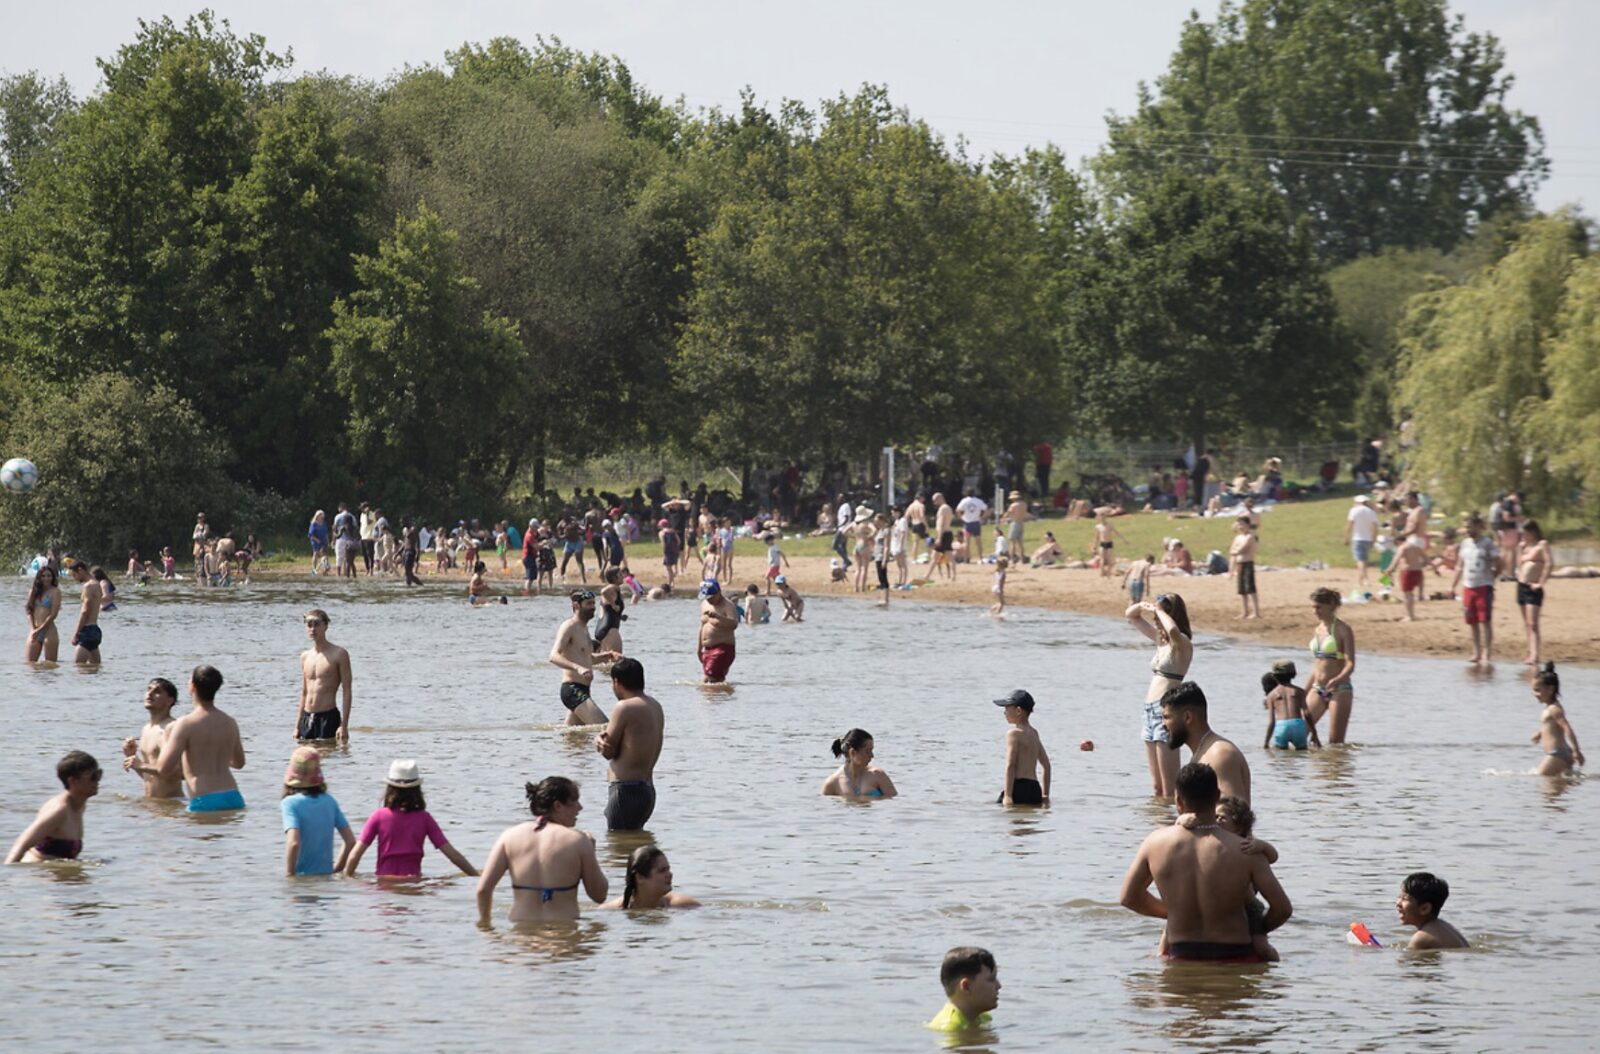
(1017, 698)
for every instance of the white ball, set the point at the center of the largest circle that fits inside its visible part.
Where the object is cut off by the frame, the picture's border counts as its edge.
(19, 475)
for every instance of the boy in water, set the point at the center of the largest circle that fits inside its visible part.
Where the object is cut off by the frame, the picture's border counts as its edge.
(1025, 754)
(971, 988)
(794, 606)
(1421, 897)
(1287, 722)
(756, 610)
(1136, 579)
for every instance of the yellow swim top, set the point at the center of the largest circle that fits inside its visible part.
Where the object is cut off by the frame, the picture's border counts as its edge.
(952, 1020)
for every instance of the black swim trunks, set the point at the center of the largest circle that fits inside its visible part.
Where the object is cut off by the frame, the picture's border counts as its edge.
(920, 530)
(319, 724)
(1025, 792)
(573, 695)
(946, 542)
(1247, 577)
(629, 804)
(89, 638)
(1530, 596)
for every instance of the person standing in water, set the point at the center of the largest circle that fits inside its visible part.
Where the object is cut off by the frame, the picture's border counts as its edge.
(718, 622)
(401, 826)
(1555, 735)
(1025, 754)
(573, 654)
(204, 744)
(647, 884)
(1184, 712)
(547, 859)
(858, 777)
(44, 604)
(324, 685)
(56, 832)
(87, 636)
(1333, 661)
(1285, 702)
(1174, 652)
(142, 755)
(632, 744)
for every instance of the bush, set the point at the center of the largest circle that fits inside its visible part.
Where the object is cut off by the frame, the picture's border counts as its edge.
(122, 465)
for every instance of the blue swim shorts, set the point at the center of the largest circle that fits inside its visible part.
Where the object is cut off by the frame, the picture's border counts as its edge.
(1290, 733)
(1135, 589)
(217, 801)
(1359, 550)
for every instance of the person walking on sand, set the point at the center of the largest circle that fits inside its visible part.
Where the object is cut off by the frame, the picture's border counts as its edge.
(1015, 516)
(1103, 531)
(1333, 662)
(204, 745)
(1480, 564)
(943, 540)
(325, 685)
(1174, 652)
(1533, 571)
(1242, 567)
(1360, 532)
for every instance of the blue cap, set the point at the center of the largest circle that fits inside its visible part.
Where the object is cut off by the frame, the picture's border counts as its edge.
(781, 580)
(709, 588)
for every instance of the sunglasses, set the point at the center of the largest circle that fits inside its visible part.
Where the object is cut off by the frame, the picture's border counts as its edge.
(314, 622)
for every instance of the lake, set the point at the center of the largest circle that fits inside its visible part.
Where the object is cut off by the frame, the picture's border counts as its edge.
(826, 920)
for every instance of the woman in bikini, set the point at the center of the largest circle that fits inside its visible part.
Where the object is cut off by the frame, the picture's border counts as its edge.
(1532, 573)
(1174, 652)
(547, 859)
(44, 604)
(648, 884)
(56, 832)
(858, 777)
(1333, 660)
(1555, 735)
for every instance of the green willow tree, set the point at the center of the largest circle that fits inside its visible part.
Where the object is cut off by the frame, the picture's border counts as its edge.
(1383, 122)
(1567, 424)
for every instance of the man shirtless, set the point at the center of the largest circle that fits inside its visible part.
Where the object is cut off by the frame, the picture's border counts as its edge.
(574, 655)
(917, 524)
(943, 538)
(204, 745)
(1183, 712)
(142, 755)
(324, 678)
(87, 636)
(1204, 878)
(632, 743)
(1014, 517)
(718, 621)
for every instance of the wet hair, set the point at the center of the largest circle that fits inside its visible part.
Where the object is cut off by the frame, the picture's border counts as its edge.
(98, 573)
(1426, 888)
(39, 587)
(642, 862)
(1269, 682)
(629, 673)
(1197, 785)
(1173, 605)
(404, 799)
(1237, 813)
(207, 681)
(965, 961)
(74, 764)
(548, 793)
(165, 686)
(1548, 678)
(320, 615)
(1185, 696)
(854, 739)
(1532, 527)
(1324, 595)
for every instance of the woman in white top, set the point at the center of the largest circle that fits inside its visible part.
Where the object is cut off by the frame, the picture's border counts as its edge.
(1174, 652)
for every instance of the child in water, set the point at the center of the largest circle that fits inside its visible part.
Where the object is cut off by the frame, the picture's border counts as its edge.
(999, 587)
(401, 826)
(1287, 723)
(1025, 754)
(756, 609)
(794, 606)
(971, 984)
(310, 818)
(1555, 735)
(1235, 816)
(1421, 897)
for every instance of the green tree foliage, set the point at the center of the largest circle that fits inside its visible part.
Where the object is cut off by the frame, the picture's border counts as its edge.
(121, 462)
(1567, 425)
(31, 108)
(1205, 311)
(1384, 122)
(1473, 373)
(433, 390)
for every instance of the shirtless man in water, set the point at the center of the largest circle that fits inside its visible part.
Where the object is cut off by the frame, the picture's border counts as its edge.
(324, 683)
(632, 743)
(1183, 713)
(1204, 878)
(718, 621)
(204, 745)
(574, 655)
(86, 637)
(142, 755)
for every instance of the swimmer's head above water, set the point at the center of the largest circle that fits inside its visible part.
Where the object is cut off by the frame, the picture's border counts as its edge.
(554, 799)
(854, 745)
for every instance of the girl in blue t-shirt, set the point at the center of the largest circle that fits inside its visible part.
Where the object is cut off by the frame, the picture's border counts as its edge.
(310, 818)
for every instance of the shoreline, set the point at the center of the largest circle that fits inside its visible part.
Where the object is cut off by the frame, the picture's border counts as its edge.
(1569, 636)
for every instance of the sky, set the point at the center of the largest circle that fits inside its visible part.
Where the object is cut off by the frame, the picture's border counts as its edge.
(1003, 75)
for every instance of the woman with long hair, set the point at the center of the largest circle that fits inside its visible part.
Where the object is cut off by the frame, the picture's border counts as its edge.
(1174, 652)
(44, 604)
(547, 859)
(1555, 735)
(858, 777)
(648, 884)
(1333, 660)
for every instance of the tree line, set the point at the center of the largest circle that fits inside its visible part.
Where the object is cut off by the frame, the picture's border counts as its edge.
(428, 288)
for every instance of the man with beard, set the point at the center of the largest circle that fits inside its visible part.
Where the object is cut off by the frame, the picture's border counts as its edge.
(1183, 712)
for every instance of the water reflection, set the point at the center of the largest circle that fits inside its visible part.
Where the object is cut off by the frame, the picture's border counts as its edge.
(1335, 766)
(542, 943)
(1207, 1003)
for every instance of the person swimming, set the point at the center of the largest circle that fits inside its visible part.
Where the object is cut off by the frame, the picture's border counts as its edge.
(648, 884)
(857, 777)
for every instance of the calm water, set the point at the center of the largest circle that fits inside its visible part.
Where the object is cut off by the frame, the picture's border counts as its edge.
(827, 920)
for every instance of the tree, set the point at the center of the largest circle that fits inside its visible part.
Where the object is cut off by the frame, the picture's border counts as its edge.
(1473, 369)
(1383, 122)
(1206, 311)
(436, 400)
(1567, 424)
(31, 109)
(120, 462)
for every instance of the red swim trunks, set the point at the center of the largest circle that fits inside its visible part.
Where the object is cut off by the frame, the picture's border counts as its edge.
(772, 571)
(1477, 604)
(1410, 580)
(716, 661)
